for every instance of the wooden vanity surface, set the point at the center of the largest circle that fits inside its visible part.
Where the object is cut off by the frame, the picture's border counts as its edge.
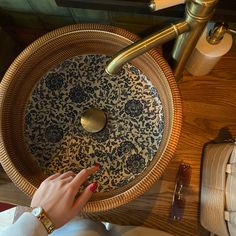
(209, 108)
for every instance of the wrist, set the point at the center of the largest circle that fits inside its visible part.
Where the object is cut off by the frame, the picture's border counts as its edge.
(39, 213)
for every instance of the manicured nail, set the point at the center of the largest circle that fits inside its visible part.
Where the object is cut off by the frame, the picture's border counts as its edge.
(93, 187)
(97, 165)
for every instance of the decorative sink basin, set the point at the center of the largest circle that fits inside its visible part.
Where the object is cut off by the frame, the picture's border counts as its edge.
(57, 87)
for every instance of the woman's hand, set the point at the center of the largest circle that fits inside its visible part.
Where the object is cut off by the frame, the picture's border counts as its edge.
(57, 195)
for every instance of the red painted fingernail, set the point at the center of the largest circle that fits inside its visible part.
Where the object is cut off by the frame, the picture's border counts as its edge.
(93, 187)
(97, 165)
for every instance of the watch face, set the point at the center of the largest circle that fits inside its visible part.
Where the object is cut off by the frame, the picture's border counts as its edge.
(37, 211)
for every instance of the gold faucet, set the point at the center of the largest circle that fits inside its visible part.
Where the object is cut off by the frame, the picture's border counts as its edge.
(187, 32)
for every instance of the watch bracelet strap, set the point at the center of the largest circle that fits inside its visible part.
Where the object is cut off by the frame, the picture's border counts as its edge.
(47, 223)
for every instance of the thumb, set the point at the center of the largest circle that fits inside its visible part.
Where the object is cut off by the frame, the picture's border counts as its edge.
(85, 196)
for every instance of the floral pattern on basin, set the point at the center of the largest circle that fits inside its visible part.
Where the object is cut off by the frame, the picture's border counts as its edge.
(124, 148)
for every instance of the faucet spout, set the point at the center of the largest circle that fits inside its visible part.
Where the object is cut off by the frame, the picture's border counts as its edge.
(136, 49)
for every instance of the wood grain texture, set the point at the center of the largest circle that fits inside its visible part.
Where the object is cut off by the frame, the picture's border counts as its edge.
(209, 108)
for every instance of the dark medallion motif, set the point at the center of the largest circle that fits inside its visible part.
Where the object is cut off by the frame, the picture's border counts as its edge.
(78, 95)
(134, 108)
(53, 133)
(135, 164)
(54, 81)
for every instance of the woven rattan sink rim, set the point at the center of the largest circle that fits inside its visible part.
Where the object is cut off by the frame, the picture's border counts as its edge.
(28, 182)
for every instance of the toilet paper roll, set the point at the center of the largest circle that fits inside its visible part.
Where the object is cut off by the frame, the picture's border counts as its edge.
(162, 4)
(205, 56)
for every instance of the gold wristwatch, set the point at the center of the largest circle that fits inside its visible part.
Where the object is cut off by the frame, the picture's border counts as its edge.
(43, 218)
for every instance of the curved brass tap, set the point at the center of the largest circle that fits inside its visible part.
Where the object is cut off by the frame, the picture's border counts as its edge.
(145, 45)
(188, 31)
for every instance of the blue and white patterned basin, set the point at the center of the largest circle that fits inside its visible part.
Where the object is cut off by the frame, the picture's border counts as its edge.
(124, 148)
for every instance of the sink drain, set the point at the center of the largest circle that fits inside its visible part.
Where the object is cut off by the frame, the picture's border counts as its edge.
(93, 120)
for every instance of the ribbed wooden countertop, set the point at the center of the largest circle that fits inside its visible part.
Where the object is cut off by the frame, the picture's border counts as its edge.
(209, 108)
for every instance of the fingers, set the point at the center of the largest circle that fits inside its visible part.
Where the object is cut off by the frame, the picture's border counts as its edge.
(84, 197)
(67, 174)
(52, 177)
(61, 176)
(82, 176)
(68, 179)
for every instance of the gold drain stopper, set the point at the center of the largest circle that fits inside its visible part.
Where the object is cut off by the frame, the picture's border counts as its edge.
(93, 120)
